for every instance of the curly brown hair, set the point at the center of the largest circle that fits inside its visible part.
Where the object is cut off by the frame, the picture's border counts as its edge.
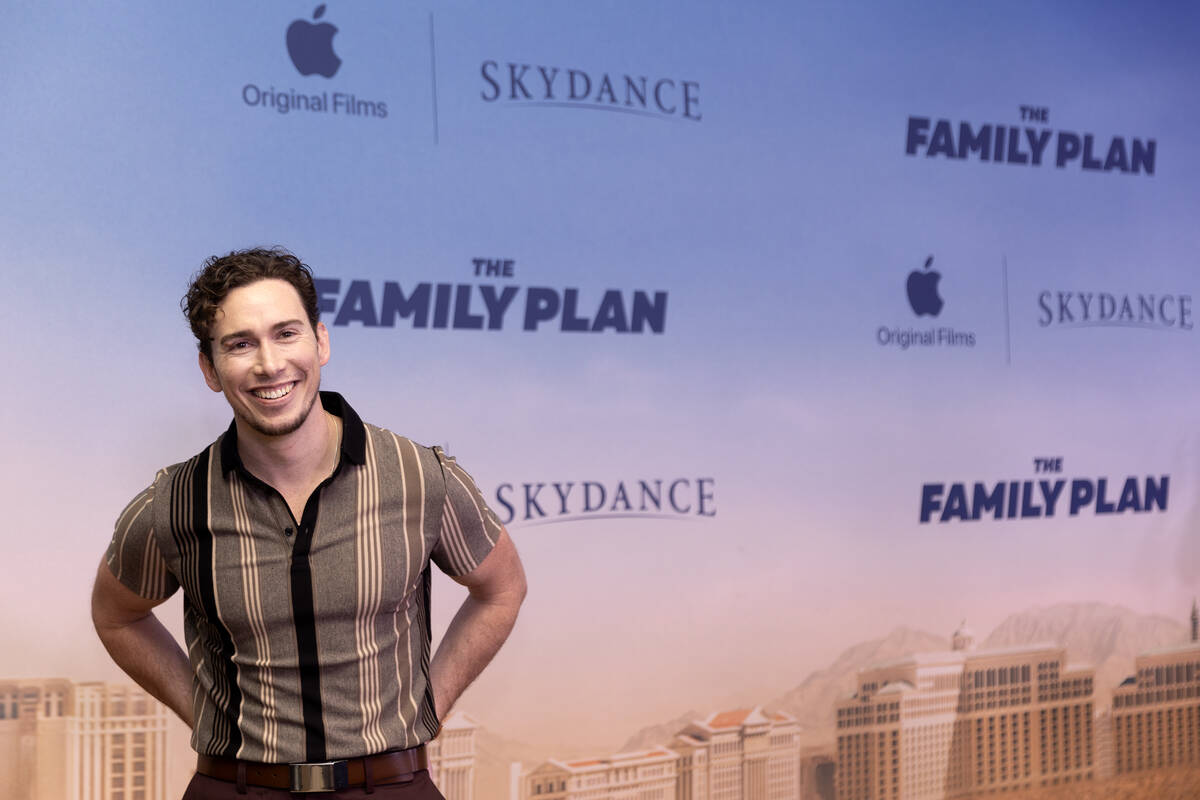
(222, 274)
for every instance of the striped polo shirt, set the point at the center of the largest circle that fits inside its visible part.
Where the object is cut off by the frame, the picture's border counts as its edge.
(309, 638)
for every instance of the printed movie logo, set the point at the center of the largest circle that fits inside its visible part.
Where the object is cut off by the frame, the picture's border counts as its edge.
(310, 48)
(1078, 309)
(545, 503)
(921, 289)
(492, 305)
(1043, 497)
(1028, 146)
(567, 87)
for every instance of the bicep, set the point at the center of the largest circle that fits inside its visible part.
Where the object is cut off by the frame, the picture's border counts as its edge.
(114, 604)
(499, 574)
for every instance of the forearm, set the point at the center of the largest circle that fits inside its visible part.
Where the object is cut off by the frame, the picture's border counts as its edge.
(148, 653)
(475, 635)
(140, 645)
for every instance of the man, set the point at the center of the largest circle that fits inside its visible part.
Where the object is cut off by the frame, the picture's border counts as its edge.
(302, 539)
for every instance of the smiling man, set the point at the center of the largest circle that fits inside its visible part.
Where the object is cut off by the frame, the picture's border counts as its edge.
(302, 539)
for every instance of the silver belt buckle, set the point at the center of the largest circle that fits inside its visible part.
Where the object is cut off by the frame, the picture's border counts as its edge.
(324, 776)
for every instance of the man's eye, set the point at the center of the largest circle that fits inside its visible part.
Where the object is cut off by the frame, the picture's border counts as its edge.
(287, 334)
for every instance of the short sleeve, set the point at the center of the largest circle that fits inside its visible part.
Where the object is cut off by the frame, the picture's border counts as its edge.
(469, 528)
(134, 555)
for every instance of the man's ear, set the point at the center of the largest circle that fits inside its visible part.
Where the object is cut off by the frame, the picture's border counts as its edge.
(210, 372)
(322, 343)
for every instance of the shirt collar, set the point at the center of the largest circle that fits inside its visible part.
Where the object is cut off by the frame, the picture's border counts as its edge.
(354, 435)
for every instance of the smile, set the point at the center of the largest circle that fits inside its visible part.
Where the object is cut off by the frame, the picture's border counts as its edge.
(273, 394)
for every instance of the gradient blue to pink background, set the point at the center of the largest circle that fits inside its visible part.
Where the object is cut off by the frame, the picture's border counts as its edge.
(782, 224)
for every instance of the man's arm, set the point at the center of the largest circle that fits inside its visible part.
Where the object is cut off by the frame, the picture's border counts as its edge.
(495, 590)
(140, 644)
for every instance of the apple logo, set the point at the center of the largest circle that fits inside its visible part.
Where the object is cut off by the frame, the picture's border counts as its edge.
(923, 291)
(311, 46)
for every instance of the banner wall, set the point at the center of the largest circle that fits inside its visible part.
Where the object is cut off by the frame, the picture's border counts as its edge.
(784, 338)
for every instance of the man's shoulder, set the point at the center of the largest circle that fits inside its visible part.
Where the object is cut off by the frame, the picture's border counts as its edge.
(384, 437)
(160, 486)
(169, 473)
(395, 449)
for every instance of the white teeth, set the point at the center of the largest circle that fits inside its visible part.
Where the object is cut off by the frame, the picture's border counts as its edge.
(273, 394)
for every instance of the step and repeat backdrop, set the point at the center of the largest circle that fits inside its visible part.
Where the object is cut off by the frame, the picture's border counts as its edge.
(783, 337)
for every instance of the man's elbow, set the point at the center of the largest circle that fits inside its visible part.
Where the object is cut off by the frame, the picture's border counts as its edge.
(110, 606)
(512, 591)
(101, 603)
(521, 586)
(501, 577)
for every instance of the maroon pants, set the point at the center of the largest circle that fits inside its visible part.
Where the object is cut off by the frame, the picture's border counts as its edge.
(420, 787)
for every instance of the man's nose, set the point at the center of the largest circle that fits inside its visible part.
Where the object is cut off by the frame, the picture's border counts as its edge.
(269, 359)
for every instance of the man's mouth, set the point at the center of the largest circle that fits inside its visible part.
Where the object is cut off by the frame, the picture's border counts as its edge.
(273, 393)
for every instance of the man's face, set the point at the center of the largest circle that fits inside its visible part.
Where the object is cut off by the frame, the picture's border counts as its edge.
(266, 357)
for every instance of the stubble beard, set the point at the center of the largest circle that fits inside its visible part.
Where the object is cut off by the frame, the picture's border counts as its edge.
(284, 427)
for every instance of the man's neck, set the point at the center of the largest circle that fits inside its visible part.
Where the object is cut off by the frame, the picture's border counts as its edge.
(304, 457)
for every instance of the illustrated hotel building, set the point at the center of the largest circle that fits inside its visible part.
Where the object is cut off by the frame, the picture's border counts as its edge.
(452, 757)
(1156, 711)
(643, 775)
(940, 725)
(747, 754)
(61, 740)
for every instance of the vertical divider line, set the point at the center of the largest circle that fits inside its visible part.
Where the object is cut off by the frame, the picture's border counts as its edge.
(1007, 331)
(433, 77)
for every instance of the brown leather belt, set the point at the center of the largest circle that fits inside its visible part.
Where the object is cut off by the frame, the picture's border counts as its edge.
(396, 766)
